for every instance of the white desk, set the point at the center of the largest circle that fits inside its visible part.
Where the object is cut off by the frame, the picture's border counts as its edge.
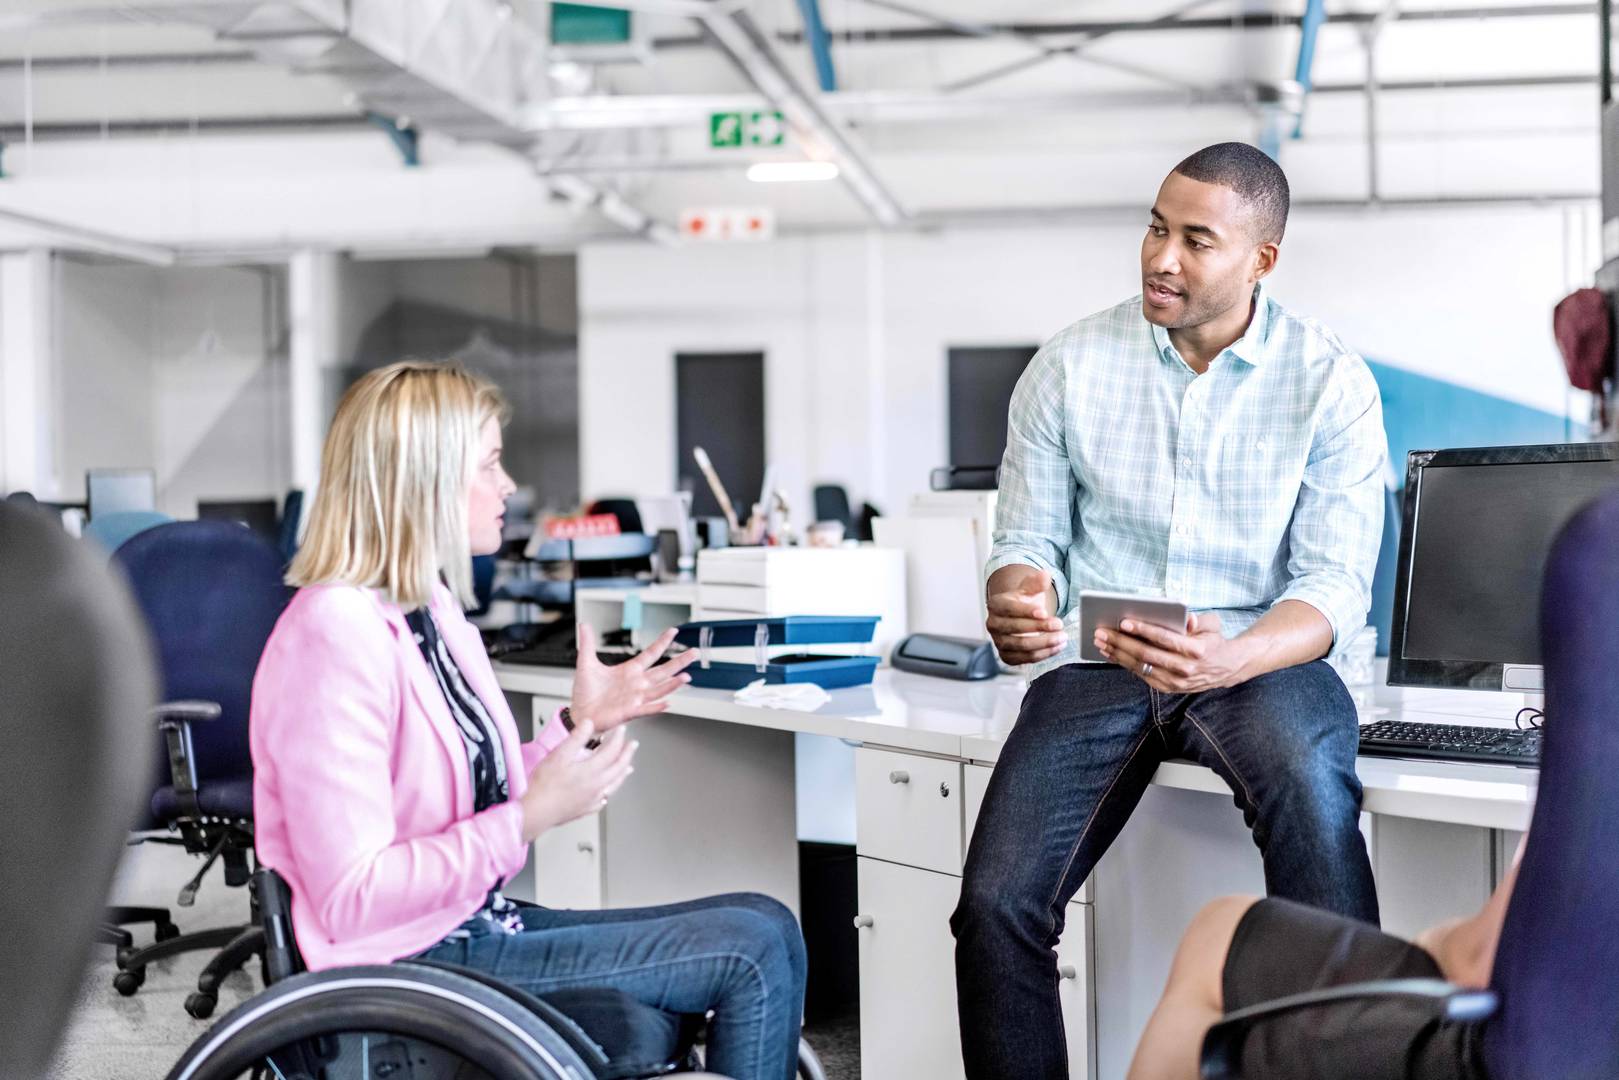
(711, 809)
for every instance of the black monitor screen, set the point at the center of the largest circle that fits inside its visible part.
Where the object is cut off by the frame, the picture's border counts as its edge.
(1479, 543)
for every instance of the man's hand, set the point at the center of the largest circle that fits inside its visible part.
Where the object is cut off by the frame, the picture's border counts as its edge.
(1022, 618)
(610, 696)
(1176, 663)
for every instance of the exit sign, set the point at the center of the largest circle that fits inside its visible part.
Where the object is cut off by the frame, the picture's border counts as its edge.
(734, 130)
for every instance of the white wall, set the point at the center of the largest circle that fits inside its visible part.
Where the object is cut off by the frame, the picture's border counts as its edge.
(177, 370)
(856, 327)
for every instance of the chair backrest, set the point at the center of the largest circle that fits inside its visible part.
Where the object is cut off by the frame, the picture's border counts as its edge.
(76, 684)
(832, 504)
(1557, 965)
(113, 531)
(211, 592)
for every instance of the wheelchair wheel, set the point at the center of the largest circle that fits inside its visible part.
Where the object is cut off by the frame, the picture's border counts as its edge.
(366, 1023)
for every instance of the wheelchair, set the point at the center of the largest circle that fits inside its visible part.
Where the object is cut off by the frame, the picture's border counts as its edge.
(424, 1020)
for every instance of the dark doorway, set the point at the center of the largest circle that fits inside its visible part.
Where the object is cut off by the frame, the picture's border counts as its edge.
(720, 406)
(981, 384)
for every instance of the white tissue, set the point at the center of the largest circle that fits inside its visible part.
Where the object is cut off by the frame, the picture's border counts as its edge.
(803, 697)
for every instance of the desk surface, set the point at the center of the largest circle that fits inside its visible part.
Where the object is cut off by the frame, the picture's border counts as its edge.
(969, 721)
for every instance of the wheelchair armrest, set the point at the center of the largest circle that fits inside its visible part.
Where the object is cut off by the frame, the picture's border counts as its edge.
(174, 720)
(1221, 1058)
(274, 896)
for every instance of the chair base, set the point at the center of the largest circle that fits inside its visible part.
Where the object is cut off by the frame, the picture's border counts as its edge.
(114, 919)
(236, 944)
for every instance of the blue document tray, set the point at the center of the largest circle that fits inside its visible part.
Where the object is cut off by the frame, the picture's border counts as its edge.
(827, 672)
(781, 630)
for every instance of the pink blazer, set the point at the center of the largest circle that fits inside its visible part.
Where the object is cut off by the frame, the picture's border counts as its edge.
(362, 797)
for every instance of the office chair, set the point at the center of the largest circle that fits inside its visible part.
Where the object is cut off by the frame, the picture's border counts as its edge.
(113, 531)
(76, 682)
(832, 504)
(1554, 990)
(441, 1018)
(210, 592)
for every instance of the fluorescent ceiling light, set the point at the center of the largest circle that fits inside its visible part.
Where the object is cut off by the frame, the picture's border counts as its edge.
(773, 172)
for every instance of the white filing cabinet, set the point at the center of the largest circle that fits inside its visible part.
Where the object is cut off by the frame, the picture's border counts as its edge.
(735, 583)
(914, 818)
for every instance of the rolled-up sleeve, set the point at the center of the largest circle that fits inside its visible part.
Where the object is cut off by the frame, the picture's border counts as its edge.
(1337, 524)
(1034, 516)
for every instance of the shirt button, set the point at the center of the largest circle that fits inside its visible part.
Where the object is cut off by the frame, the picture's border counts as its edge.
(1180, 530)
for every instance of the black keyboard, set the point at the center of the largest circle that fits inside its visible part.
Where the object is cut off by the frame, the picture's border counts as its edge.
(554, 654)
(1451, 742)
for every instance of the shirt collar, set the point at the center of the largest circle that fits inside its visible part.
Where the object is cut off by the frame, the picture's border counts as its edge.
(1250, 348)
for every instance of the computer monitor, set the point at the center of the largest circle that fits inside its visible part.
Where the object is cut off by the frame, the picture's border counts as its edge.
(111, 491)
(1478, 526)
(260, 515)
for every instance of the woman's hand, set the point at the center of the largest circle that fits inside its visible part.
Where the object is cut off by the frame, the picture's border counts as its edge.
(610, 696)
(571, 781)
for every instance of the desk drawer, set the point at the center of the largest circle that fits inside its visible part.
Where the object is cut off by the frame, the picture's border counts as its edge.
(908, 809)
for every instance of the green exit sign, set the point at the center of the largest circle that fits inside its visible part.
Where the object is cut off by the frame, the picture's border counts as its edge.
(739, 129)
(579, 24)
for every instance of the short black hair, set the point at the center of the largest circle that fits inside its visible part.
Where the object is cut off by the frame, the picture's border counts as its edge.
(1251, 173)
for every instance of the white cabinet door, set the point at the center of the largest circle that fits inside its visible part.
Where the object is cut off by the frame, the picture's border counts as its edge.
(908, 809)
(1076, 990)
(908, 1027)
(568, 865)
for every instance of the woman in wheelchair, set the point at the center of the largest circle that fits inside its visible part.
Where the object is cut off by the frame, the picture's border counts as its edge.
(390, 789)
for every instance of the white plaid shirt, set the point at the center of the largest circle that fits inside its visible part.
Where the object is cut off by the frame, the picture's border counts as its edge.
(1257, 482)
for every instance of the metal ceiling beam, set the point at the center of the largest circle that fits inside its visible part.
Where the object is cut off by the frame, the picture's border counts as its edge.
(747, 47)
(1043, 52)
(69, 237)
(1239, 21)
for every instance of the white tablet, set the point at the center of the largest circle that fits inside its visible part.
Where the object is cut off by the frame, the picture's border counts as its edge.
(1105, 610)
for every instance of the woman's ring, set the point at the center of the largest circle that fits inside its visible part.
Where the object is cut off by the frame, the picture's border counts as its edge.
(1146, 669)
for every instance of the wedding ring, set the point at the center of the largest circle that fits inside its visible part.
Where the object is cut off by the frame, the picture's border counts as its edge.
(1146, 669)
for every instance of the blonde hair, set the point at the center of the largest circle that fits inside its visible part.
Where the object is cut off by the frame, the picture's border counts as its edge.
(391, 510)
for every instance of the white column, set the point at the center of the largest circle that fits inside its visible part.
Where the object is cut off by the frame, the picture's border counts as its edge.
(313, 303)
(27, 349)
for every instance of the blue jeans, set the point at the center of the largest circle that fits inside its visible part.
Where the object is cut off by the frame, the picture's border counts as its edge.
(740, 955)
(1085, 747)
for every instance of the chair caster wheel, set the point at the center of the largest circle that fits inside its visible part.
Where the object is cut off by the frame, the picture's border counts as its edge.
(127, 982)
(166, 931)
(200, 1005)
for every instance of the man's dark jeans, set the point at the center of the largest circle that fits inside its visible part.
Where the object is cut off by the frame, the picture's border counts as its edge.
(1084, 749)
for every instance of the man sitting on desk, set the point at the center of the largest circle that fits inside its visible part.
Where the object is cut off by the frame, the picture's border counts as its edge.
(1198, 441)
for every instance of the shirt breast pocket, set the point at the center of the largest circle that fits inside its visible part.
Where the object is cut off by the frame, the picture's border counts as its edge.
(1257, 484)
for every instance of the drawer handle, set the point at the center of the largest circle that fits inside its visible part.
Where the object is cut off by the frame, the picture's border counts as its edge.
(899, 776)
(864, 922)
(1067, 971)
(586, 846)
(944, 789)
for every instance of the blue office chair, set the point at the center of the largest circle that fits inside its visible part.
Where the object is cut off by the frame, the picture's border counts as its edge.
(76, 681)
(210, 592)
(113, 531)
(1551, 1007)
(447, 1021)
